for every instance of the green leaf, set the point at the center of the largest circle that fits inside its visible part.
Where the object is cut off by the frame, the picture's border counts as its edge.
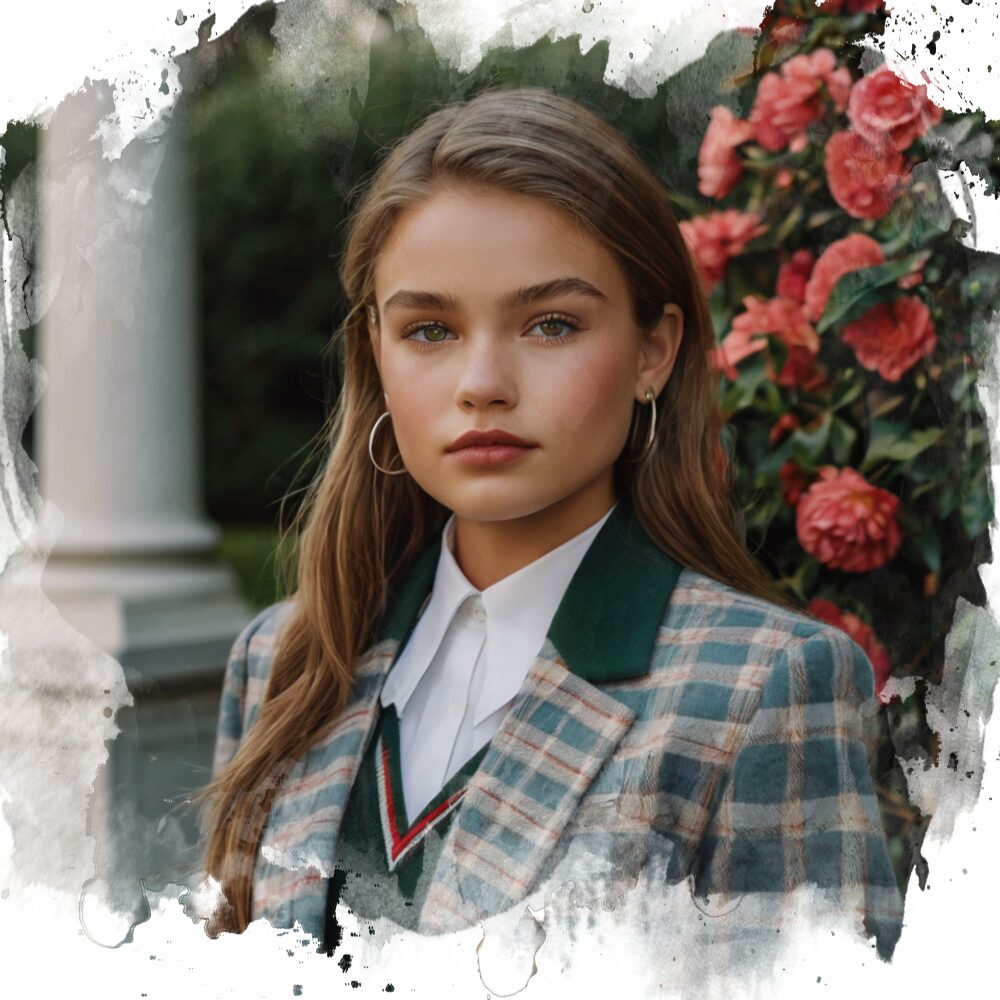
(926, 543)
(976, 508)
(887, 405)
(898, 446)
(818, 219)
(772, 459)
(842, 439)
(803, 581)
(845, 392)
(924, 488)
(788, 225)
(855, 291)
(740, 394)
(808, 445)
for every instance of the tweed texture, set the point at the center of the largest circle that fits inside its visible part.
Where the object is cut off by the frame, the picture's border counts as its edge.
(739, 761)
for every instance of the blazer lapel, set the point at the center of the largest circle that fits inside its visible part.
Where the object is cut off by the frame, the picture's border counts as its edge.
(551, 745)
(297, 846)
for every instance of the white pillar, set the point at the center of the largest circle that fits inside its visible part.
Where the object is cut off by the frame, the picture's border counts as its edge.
(132, 565)
(118, 424)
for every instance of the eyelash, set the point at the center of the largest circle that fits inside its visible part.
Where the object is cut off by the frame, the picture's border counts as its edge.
(413, 328)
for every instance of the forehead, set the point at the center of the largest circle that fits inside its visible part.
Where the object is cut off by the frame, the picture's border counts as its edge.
(469, 240)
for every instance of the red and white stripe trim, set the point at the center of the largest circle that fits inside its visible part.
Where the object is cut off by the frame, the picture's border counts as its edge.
(399, 844)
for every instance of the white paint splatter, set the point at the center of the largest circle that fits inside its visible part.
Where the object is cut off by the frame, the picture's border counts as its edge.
(132, 44)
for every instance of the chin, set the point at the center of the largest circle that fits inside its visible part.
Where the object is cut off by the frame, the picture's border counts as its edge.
(490, 501)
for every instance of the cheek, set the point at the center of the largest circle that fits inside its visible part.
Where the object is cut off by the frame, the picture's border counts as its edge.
(593, 400)
(419, 395)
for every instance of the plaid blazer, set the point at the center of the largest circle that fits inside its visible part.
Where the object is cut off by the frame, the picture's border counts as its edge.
(667, 718)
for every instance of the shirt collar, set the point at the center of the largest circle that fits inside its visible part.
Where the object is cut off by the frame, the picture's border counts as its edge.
(606, 624)
(519, 625)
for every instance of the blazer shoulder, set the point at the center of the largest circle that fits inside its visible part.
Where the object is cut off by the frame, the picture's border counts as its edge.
(701, 600)
(726, 624)
(259, 639)
(246, 673)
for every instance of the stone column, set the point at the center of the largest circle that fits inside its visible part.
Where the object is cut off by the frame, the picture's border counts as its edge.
(133, 565)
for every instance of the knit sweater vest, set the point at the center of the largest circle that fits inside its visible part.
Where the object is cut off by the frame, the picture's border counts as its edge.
(384, 862)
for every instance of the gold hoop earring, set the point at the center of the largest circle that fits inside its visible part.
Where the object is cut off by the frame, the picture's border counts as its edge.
(650, 396)
(651, 399)
(371, 454)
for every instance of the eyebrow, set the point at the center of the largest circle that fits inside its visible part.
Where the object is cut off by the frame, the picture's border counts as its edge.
(407, 299)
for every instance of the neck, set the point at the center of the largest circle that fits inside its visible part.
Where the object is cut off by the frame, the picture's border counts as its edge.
(488, 551)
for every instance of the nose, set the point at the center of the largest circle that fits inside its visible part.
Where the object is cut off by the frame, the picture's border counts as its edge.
(488, 376)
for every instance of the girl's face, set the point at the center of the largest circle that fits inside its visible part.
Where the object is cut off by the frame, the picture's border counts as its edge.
(497, 312)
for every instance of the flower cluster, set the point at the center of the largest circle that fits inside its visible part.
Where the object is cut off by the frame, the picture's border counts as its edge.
(836, 353)
(874, 122)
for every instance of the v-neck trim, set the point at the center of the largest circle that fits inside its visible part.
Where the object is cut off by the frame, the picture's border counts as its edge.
(400, 837)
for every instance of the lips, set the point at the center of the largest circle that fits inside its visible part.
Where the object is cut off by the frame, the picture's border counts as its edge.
(483, 439)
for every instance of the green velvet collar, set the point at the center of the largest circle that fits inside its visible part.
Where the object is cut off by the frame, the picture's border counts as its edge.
(606, 624)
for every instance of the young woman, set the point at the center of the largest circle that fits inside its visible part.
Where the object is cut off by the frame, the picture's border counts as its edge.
(526, 628)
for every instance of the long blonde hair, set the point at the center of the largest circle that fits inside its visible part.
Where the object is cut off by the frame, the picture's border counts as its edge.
(357, 534)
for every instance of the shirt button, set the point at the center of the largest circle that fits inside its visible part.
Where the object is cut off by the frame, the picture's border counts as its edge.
(479, 614)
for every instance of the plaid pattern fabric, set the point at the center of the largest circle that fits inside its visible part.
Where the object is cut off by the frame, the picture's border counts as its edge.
(738, 758)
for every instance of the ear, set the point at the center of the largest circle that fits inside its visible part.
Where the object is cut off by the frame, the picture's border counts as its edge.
(658, 352)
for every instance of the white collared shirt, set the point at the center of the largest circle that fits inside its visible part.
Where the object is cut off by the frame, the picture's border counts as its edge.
(467, 658)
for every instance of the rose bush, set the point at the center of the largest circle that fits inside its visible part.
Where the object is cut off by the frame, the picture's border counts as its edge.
(846, 313)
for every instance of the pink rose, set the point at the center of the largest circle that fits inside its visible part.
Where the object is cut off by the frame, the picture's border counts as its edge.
(793, 276)
(883, 105)
(714, 239)
(785, 320)
(790, 100)
(890, 338)
(861, 632)
(864, 177)
(719, 168)
(846, 523)
(852, 253)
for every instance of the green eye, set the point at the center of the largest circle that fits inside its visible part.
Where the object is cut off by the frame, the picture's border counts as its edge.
(431, 333)
(560, 327)
(555, 329)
